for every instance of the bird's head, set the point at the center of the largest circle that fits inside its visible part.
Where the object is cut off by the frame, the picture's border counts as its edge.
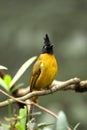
(48, 47)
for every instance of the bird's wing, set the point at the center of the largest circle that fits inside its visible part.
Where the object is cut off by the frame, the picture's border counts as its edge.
(35, 74)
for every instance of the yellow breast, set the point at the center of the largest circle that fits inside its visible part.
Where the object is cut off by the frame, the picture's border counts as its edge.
(44, 72)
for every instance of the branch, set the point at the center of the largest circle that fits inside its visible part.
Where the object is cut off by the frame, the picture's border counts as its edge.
(73, 84)
(77, 85)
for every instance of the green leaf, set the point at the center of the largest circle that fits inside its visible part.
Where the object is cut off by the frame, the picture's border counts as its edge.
(61, 123)
(23, 115)
(22, 69)
(22, 122)
(76, 126)
(3, 84)
(19, 126)
(7, 79)
(3, 67)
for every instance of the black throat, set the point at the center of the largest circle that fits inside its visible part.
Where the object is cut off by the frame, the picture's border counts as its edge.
(48, 47)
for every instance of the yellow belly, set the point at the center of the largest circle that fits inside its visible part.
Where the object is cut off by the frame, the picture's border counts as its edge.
(48, 71)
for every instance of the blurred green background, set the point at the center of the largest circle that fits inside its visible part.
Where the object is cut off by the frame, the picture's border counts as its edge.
(23, 25)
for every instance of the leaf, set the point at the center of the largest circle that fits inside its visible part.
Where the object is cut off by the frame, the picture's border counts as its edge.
(43, 125)
(22, 122)
(23, 115)
(3, 84)
(7, 79)
(3, 67)
(22, 69)
(76, 126)
(19, 126)
(61, 123)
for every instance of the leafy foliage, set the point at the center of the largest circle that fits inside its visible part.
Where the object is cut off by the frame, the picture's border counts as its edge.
(76, 126)
(32, 125)
(8, 82)
(21, 124)
(3, 84)
(22, 69)
(3, 67)
(62, 123)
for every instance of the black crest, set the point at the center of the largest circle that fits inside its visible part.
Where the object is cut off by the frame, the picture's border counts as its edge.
(48, 47)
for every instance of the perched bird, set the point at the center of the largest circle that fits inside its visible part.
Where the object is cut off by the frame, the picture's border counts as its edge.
(44, 69)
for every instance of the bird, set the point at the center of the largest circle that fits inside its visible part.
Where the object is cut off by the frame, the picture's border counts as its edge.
(44, 69)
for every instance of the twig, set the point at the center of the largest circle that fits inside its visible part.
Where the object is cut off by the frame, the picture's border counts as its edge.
(29, 103)
(44, 109)
(11, 100)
